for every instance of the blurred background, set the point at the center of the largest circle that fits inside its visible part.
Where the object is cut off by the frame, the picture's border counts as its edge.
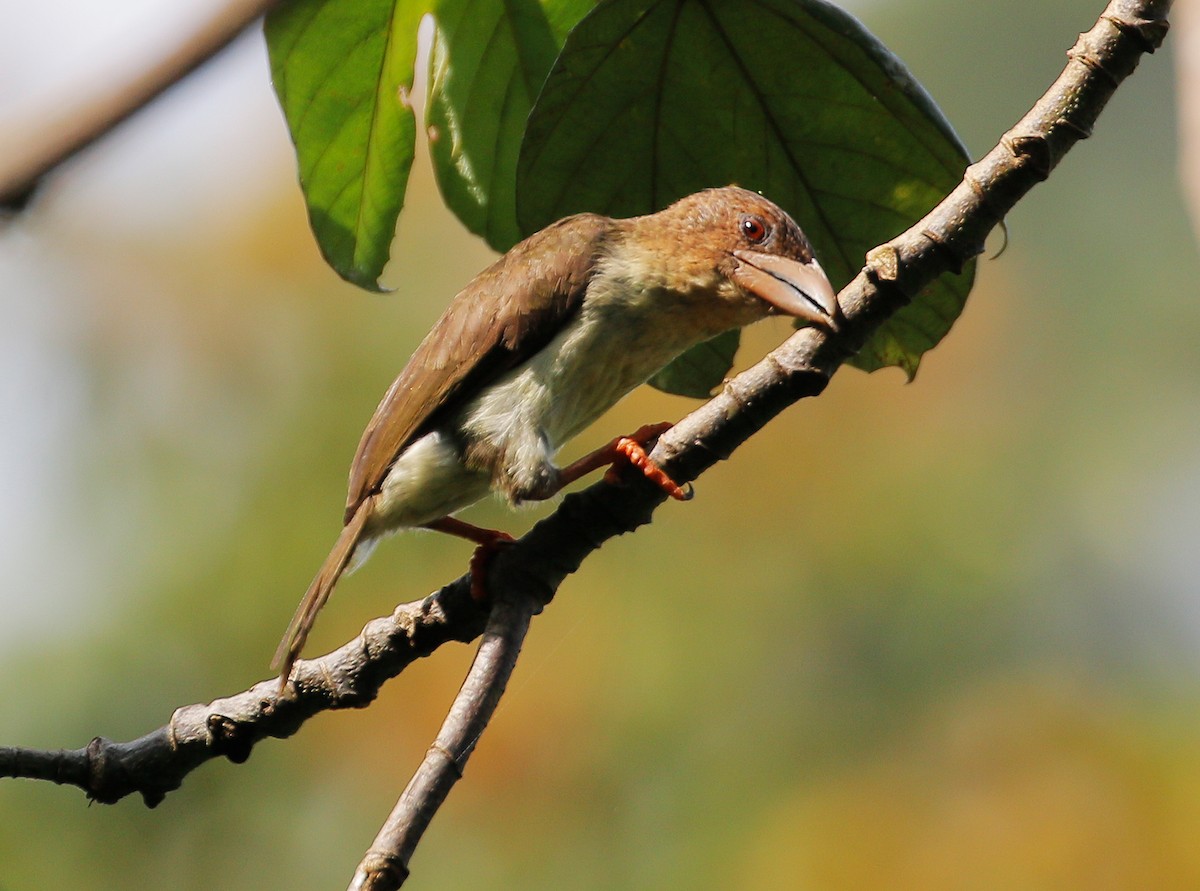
(938, 635)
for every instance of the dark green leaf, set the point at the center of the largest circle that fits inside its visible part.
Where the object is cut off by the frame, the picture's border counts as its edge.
(342, 71)
(488, 62)
(649, 101)
(690, 374)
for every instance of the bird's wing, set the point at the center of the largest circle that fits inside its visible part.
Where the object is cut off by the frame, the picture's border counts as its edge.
(505, 315)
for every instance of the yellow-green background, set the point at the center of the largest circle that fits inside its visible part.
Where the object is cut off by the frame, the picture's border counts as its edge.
(931, 636)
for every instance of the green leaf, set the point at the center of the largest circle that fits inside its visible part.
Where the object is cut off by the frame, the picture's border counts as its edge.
(692, 373)
(488, 62)
(342, 71)
(650, 101)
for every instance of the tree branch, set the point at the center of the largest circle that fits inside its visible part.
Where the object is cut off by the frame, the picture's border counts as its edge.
(349, 677)
(525, 576)
(77, 128)
(385, 865)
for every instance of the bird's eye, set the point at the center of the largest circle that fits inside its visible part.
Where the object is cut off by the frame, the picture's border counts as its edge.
(754, 230)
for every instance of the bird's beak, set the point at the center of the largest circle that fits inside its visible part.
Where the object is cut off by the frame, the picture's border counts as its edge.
(795, 288)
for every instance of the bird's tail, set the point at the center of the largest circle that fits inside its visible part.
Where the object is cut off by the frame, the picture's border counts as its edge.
(318, 592)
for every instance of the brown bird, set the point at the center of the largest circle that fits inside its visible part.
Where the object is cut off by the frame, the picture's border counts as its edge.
(541, 344)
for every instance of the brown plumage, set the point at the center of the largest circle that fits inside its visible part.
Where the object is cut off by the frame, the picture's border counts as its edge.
(544, 341)
(508, 312)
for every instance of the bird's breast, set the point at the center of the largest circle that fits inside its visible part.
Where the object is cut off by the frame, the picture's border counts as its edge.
(613, 344)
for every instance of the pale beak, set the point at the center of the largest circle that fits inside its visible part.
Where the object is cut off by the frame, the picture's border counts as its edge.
(795, 288)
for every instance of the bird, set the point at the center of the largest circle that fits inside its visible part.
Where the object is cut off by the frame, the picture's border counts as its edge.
(538, 346)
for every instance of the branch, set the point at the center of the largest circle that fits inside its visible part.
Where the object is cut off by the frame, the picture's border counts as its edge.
(385, 865)
(349, 677)
(535, 566)
(77, 128)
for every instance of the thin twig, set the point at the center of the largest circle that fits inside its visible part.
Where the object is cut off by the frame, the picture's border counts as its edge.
(385, 865)
(23, 171)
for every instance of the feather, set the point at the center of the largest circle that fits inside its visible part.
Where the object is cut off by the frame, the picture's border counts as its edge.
(541, 283)
(318, 592)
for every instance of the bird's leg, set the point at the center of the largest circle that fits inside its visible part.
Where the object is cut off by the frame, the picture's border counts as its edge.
(623, 450)
(629, 449)
(488, 540)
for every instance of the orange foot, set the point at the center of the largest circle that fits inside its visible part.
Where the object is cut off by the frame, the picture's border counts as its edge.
(489, 541)
(481, 561)
(624, 450)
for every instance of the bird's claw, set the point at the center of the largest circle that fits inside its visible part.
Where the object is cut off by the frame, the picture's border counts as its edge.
(632, 450)
(481, 560)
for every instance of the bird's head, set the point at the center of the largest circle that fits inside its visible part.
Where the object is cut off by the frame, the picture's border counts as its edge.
(746, 251)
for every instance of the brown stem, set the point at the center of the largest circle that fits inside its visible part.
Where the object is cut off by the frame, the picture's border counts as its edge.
(349, 677)
(385, 865)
